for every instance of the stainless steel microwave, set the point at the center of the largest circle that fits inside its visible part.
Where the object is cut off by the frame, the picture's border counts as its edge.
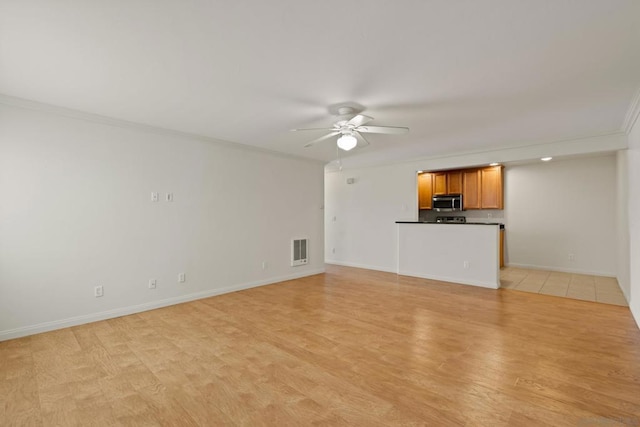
(447, 203)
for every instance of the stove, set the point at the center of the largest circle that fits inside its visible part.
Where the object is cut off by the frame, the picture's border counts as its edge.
(451, 219)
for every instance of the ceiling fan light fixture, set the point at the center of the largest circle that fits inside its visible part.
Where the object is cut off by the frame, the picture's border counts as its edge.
(347, 142)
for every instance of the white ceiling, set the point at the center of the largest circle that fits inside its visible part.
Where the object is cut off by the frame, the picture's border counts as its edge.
(463, 75)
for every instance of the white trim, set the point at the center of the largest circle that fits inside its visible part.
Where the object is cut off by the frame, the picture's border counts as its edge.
(365, 266)
(604, 142)
(563, 270)
(632, 114)
(124, 311)
(635, 314)
(422, 276)
(13, 101)
(627, 297)
(452, 280)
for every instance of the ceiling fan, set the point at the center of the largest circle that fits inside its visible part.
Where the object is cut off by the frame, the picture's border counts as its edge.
(351, 131)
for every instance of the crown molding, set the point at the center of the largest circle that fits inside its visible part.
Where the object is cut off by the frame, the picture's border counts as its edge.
(13, 101)
(632, 113)
(589, 144)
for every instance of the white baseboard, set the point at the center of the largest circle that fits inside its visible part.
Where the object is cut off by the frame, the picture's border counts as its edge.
(422, 276)
(635, 313)
(452, 280)
(123, 311)
(562, 269)
(356, 265)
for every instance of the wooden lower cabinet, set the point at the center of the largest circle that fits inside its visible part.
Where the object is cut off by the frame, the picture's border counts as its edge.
(501, 248)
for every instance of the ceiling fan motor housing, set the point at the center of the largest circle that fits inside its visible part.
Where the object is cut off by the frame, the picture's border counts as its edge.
(350, 131)
(343, 111)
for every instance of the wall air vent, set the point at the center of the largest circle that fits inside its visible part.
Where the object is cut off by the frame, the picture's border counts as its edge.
(299, 252)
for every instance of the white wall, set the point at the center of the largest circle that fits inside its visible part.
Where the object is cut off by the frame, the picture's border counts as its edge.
(363, 233)
(360, 229)
(563, 207)
(466, 254)
(633, 164)
(622, 222)
(76, 212)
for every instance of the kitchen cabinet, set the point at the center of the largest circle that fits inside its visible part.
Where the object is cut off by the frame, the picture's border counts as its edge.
(449, 182)
(501, 248)
(491, 195)
(425, 190)
(440, 183)
(454, 182)
(471, 188)
(481, 188)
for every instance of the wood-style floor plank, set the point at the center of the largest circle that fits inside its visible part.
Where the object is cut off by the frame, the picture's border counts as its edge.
(349, 347)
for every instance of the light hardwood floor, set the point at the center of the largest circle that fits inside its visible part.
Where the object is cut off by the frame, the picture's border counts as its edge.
(349, 347)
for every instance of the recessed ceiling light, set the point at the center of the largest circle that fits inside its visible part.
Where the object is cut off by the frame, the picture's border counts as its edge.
(546, 159)
(494, 164)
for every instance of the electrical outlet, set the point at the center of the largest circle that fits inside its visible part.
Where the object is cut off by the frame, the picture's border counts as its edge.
(264, 265)
(98, 291)
(489, 215)
(181, 278)
(465, 264)
(572, 257)
(154, 197)
(152, 283)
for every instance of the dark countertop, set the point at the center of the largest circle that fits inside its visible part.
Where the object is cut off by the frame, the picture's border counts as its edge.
(452, 223)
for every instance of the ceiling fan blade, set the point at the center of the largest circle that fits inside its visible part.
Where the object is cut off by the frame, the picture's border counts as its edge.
(359, 120)
(362, 141)
(395, 130)
(298, 130)
(322, 138)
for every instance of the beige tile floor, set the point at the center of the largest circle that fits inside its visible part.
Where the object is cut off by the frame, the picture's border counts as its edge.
(568, 285)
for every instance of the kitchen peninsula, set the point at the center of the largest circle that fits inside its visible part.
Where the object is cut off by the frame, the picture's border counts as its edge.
(465, 253)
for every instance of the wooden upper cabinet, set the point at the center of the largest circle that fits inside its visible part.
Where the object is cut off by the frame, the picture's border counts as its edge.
(491, 196)
(448, 182)
(481, 188)
(440, 183)
(425, 190)
(454, 182)
(471, 189)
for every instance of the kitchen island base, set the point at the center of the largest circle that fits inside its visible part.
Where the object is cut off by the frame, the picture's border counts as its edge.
(460, 253)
